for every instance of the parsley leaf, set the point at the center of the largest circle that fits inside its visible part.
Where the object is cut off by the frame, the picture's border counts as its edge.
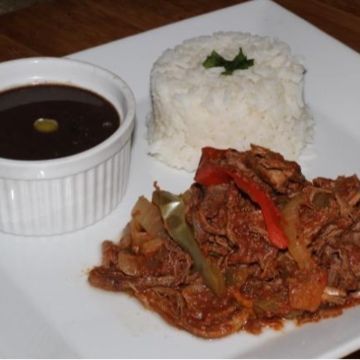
(240, 62)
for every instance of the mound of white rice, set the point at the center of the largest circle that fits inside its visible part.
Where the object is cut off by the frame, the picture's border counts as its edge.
(195, 107)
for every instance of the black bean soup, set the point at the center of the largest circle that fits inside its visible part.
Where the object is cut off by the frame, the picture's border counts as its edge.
(49, 121)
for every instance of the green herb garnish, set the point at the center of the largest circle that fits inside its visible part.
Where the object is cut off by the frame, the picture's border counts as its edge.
(240, 62)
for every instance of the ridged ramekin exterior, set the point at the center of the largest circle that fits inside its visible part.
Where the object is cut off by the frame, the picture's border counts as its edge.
(60, 205)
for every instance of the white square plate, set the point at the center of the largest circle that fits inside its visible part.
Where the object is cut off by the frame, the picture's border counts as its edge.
(47, 308)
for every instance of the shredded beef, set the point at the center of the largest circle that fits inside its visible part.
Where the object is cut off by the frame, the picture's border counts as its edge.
(264, 284)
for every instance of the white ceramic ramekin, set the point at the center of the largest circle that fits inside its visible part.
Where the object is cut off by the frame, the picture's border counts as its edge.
(57, 196)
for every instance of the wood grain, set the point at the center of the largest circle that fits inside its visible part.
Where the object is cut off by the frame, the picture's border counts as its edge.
(61, 27)
(13, 50)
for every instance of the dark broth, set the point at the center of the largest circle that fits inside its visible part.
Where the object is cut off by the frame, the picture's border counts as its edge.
(83, 118)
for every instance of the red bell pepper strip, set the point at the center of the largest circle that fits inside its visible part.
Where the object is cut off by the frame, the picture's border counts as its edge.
(211, 173)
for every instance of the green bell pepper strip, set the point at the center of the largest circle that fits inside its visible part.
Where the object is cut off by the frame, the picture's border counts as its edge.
(172, 210)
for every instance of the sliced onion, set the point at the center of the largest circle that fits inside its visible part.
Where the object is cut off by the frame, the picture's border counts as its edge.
(151, 246)
(128, 264)
(148, 216)
(334, 295)
(331, 291)
(291, 226)
(356, 294)
(137, 233)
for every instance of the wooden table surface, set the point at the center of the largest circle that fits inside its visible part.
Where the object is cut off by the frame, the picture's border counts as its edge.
(61, 27)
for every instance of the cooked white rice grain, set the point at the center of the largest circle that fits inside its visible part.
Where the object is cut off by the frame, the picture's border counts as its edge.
(195, 107)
